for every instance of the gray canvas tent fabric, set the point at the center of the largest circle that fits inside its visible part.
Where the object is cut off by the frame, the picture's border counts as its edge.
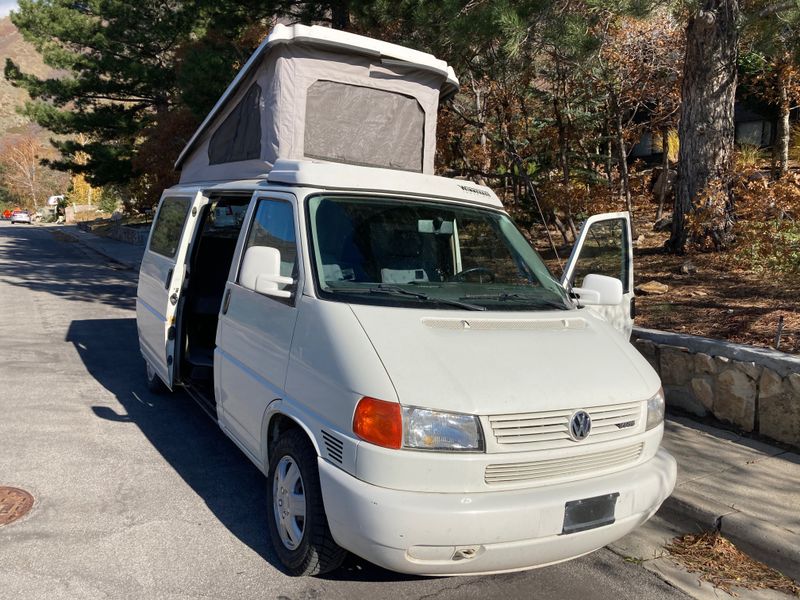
(239, 136)
(323, 104)
(363, 126)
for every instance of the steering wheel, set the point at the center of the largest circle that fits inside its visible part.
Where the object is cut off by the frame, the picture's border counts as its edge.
(461, 275)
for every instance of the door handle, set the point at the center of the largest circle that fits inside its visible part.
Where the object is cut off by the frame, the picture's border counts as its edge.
(174, 298)
(226, 301)
(169, 279)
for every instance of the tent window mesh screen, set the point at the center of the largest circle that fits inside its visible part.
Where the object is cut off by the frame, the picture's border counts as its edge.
(364, 126)
(239, 135)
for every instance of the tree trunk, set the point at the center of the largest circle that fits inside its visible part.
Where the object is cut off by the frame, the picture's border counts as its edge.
(34, 171)
(706, 127)
(563, 156)
(662, 191)
(780, 149)
(479, 112)
(563, 150)
(562, 229)
(608, 150)
(340, 14)
(622, 155)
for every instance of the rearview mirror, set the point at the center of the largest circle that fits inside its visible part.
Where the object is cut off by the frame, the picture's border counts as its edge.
(437, 226)
(599, 290)
(261, 272)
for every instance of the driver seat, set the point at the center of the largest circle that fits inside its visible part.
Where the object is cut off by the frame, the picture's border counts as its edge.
(400, 256)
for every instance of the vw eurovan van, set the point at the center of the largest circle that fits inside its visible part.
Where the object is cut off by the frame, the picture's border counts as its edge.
(385, 345)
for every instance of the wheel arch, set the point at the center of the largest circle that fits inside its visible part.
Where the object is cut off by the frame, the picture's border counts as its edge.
(277, 421)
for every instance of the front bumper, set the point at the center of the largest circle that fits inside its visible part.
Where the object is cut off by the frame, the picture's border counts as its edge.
(462, 534)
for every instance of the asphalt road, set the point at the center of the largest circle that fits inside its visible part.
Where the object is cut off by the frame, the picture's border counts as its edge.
(142, 496)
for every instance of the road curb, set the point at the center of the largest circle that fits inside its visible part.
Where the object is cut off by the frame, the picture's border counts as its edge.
(704, 513)
(774, 546)
(81, 237)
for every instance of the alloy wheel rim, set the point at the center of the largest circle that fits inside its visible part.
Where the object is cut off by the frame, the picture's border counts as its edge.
(289, 502)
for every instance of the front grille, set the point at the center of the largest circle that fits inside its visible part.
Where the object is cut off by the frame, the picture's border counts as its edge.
(556, 468)
(550, 429)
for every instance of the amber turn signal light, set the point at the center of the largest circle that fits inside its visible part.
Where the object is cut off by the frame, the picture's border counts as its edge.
(378, 422)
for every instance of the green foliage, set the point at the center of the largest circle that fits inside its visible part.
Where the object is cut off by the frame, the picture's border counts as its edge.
(770, 247)
(6, 196)
(118, 60)
(199, 92)
(126, 67)
(110, 199)
(769, 50)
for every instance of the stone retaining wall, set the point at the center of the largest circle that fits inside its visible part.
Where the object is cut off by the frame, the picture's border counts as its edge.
(124, 233)
(756, 389)
(132, 235)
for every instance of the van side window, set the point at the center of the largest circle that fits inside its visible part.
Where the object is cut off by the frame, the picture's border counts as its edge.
(273, 226)
(605, 252)
(169, 225)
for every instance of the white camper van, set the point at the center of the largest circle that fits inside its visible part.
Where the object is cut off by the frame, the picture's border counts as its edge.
(384, 344)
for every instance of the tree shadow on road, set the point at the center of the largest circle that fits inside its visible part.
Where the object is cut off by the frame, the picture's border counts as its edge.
(231, 486)
(33, 259)
(192, 444)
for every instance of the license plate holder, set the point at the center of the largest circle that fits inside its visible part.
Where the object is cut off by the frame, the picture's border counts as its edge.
(589, 513)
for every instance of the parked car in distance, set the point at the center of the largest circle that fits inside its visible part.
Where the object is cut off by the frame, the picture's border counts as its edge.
(20, 216)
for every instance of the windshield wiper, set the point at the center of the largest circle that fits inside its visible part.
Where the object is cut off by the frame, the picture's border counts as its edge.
(398, 291)
(503, 297)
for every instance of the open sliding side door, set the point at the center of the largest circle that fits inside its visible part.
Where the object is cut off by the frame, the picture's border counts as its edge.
(604, 247)
(161, 277)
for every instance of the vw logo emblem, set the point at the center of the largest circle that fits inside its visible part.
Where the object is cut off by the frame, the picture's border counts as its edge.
(580, 425)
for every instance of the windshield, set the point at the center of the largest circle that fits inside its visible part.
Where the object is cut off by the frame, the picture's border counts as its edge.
(424, 253)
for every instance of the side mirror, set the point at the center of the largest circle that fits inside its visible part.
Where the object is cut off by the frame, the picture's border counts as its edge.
(599, 290)
(261, 272)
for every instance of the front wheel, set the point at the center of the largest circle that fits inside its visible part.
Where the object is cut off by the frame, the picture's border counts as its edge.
(297, 522)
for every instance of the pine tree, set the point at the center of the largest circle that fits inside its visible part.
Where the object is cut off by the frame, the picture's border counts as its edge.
(706, 127)
(119, 63)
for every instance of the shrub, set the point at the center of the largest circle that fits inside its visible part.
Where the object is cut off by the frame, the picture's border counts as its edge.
(749, 156)
(110, 199)
(768, 231)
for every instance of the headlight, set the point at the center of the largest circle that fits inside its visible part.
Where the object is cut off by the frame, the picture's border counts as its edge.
(655, 410)
(425, 429)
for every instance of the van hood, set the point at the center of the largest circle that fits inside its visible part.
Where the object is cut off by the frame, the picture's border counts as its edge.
(505, 362)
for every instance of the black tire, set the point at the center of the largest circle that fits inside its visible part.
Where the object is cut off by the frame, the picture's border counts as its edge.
(313, 552)
(154, 383)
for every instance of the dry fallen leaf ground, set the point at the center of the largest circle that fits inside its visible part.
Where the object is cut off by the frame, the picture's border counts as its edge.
(718, 300)
(720, 563)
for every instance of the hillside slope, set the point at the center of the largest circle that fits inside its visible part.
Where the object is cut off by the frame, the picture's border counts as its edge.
(13, 46)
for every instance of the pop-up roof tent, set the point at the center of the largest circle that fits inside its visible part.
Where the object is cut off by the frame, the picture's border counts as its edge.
(321, 94)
